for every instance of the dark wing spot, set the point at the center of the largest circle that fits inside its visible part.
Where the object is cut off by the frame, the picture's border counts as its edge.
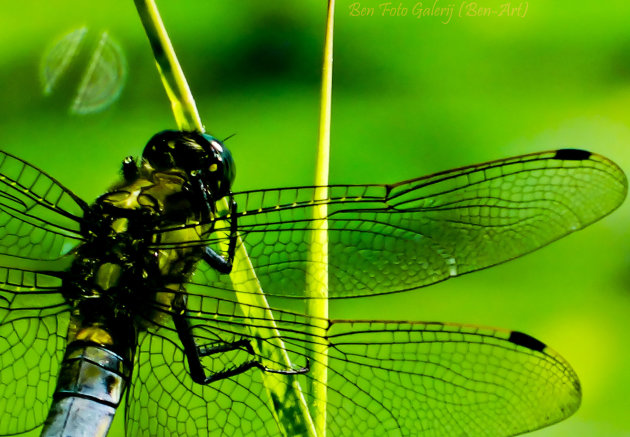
(573, 154)
(527, 341)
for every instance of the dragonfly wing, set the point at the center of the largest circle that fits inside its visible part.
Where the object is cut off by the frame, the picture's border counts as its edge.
(439, 379)
(39, 218)
(33, 325)
(390, 238)
(384, 378)
(39, 222)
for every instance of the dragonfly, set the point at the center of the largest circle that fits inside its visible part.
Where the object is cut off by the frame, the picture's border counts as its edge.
(129, 297)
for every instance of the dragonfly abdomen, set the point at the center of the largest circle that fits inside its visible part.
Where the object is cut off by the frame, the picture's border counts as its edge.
(91, 384)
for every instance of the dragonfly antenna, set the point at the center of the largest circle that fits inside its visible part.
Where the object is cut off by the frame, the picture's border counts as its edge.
(228, 137)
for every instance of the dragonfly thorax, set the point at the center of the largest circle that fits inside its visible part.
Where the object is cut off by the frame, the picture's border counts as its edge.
(115, 255)
(133, 257)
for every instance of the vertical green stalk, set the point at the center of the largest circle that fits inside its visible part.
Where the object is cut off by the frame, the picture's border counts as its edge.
(284, 393)
(317, 273)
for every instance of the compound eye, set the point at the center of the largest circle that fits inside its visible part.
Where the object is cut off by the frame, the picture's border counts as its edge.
(216, 146)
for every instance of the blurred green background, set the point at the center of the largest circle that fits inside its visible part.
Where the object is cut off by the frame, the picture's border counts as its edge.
(411, 96)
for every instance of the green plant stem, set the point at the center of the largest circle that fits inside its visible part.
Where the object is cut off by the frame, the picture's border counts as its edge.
(284, 393)
(171, 73)
(317, 274)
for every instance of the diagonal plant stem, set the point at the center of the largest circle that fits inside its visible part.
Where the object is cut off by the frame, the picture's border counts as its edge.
(285, 396)
(171, 73)
(317, 270)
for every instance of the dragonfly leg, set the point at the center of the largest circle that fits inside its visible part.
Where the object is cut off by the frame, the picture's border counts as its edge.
(194, 354)
(233, 231)
(205, 198)
(300, 371)
(129, 169)
(216, 261)
(207, 350)
(244, 344)
(201, 378)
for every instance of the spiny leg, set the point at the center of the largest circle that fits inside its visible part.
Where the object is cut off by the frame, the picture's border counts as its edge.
(194, 353)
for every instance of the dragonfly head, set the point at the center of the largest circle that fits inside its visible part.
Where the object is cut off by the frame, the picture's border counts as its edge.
(199, 155)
